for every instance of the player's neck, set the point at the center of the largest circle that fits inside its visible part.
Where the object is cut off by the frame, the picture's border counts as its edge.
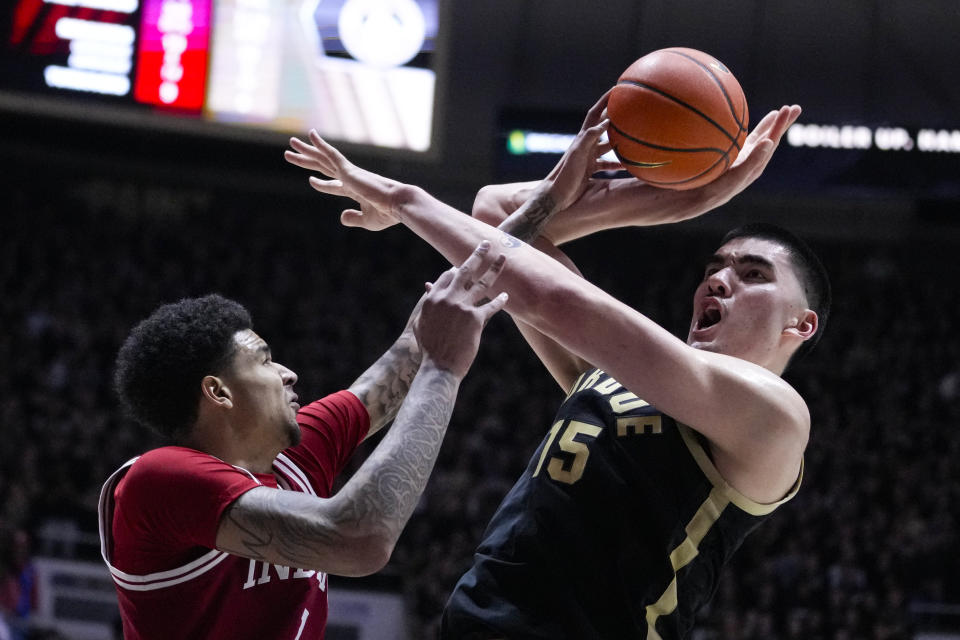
(225, 442)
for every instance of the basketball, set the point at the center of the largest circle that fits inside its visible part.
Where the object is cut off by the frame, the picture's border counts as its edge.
(678, 118)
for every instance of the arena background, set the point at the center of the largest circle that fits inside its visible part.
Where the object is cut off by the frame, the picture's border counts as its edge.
(108, 214)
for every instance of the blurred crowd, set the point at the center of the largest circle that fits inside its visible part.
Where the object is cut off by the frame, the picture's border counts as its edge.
(869, 541)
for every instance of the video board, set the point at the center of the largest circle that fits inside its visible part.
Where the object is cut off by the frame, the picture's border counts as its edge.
(360, 71)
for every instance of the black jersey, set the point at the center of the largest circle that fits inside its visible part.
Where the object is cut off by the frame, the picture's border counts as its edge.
(617, 529)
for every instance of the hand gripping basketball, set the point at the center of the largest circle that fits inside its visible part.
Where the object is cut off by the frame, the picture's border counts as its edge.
(582, 159)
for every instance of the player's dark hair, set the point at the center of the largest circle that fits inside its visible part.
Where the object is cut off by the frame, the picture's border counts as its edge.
(810, 271)
(162, 362)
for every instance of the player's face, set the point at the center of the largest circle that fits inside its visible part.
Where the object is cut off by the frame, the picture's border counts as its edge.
(263, 393)
(747, 303)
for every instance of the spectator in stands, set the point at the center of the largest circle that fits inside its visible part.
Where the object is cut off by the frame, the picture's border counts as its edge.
(18, 594)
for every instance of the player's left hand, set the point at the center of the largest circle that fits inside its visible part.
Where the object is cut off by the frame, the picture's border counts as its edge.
(582, 159)
(371, 191)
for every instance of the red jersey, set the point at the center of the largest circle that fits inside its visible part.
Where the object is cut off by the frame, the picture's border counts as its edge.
(159, 515)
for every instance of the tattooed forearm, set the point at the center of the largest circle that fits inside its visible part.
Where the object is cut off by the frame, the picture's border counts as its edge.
(383, 386)
(388, 485)
(528, 221)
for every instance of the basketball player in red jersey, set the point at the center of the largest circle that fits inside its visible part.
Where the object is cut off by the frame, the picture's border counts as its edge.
(665, 455)
(231, 532)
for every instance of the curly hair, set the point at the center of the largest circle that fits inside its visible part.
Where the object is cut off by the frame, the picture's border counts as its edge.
(808, 267)
(161, 363)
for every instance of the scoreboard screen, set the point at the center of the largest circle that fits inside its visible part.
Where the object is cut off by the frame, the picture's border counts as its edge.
(359, 71)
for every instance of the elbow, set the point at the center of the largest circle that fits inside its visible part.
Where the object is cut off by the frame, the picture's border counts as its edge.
(367, 556)
(377, 554)
(487, 208)
(359, 545)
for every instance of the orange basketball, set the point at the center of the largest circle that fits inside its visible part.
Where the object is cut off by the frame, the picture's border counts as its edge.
(678, 118)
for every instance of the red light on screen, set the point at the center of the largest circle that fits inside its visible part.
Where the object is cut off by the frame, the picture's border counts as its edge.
(173, 50)
(34, 24)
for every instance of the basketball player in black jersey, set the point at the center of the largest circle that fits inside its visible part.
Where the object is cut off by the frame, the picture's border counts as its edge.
(665, 454)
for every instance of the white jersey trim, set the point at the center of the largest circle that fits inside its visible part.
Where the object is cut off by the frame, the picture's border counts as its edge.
(288, 474)
(159, 580)
(293, 473)
(152, 581)
(105, 507)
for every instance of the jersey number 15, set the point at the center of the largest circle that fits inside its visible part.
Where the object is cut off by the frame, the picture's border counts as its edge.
(564, 468)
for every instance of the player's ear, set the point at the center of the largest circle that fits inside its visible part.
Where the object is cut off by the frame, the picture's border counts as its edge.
(214, 389)
(806, 325)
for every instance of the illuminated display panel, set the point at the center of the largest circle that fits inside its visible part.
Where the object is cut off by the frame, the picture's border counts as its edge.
(84, 46)
(172, 53)
(360, 71)
(350, 68)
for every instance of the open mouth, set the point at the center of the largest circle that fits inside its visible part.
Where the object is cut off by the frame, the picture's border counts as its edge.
(708, 318)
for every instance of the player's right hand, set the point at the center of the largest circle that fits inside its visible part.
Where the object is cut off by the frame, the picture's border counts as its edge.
(373, 192)
(450, 322)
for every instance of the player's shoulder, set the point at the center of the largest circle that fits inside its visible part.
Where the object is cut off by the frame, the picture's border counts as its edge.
(167, 455)
(164, 462)
(785, 404)
(795, 410)
(340, 401)
(342, 407)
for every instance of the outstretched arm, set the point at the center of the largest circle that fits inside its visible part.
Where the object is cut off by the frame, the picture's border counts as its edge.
(354, 532)
(749, 414)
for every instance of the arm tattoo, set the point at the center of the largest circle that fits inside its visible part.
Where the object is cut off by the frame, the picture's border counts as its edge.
(525, 224)
(384, 385)
(386, 488)
(376, 502)
(528, 221)
(273, 525)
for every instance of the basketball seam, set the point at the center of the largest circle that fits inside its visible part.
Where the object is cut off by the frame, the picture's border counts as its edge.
(692, 178)
(680, 102)
(726, 96)
(663, 148)
(723, 157)
(672, 182)
(733, 111)
(638, 163)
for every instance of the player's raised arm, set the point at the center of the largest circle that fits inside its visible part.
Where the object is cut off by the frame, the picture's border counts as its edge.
(354, 532)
